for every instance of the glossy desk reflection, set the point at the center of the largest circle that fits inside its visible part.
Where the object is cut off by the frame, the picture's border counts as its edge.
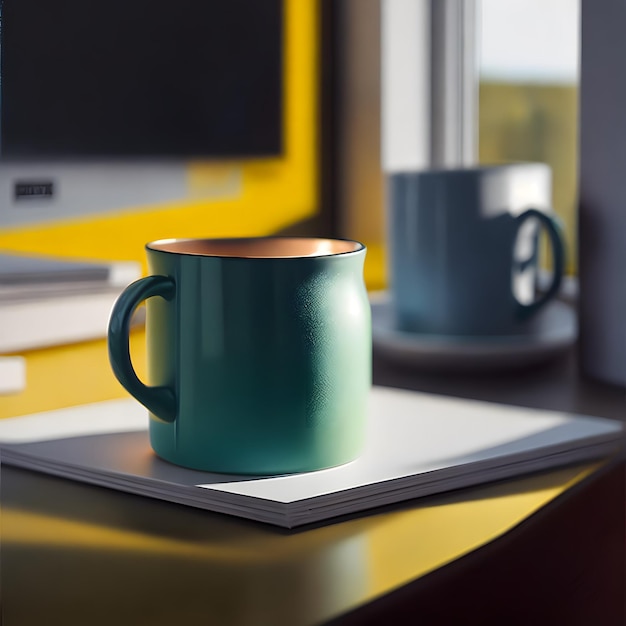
(97, 556)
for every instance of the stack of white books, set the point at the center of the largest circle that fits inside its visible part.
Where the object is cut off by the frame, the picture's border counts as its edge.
(417, 445)
(46, 301)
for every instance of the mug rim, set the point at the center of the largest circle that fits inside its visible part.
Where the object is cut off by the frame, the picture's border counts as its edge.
(169, 245)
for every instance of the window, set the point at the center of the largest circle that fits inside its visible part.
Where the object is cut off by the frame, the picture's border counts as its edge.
(528, 93)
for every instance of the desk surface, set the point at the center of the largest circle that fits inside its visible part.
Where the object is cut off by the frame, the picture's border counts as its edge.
(96, 556)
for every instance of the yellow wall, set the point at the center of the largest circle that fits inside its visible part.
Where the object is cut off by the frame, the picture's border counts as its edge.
(273, 193)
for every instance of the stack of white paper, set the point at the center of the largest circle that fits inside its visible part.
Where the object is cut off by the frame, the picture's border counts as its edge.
(418, 444)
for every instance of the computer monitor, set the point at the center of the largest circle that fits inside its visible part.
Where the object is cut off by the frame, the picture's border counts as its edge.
(102, 103)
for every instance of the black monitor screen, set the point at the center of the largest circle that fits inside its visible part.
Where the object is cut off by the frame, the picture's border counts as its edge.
(134, 78)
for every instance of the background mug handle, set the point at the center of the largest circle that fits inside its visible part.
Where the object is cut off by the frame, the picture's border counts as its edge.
(553, 230)
(161, 401)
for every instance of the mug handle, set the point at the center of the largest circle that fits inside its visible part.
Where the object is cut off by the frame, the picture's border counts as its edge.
(161, 401)
(553, 229)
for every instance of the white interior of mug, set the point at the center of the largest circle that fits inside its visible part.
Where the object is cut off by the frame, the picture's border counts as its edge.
(258, 248)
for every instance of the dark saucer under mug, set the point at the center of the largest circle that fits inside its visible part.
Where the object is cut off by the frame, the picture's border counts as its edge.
(550, 334)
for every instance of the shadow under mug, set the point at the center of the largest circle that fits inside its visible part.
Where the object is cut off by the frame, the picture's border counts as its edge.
(464, 248)
(258, 351)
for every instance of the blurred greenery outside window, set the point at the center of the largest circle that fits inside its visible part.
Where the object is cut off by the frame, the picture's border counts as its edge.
(528, 95)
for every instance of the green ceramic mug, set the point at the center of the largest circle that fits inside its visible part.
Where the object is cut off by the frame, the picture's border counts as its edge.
(258, 350)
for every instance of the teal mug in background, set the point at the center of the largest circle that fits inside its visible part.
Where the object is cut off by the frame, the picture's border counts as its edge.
(258, 352)
(464, 248)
